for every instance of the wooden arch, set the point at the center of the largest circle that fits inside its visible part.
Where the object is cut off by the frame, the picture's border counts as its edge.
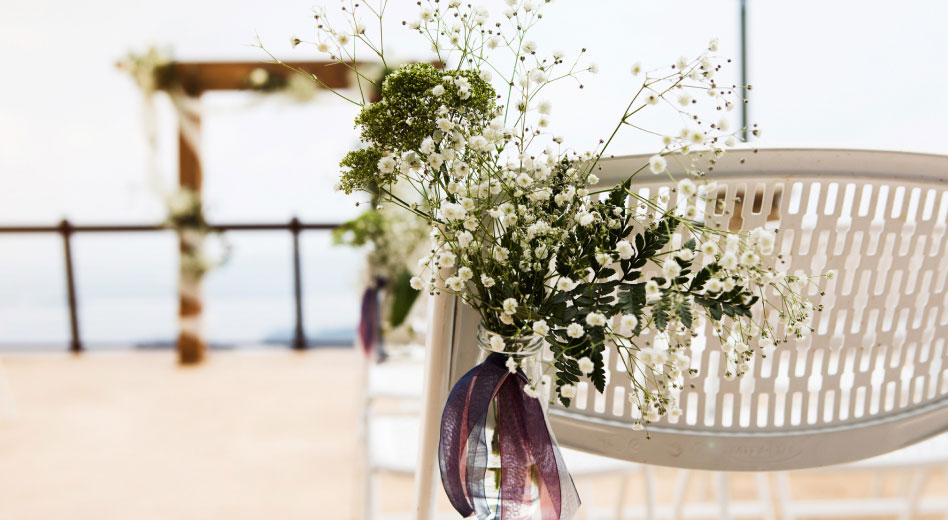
(195, 79)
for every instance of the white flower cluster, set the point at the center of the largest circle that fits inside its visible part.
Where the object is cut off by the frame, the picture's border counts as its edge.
(521, 232)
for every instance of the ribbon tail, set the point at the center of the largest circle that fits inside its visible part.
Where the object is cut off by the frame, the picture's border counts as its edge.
(369, 320)
(525, 423)
(516, 460)
(463, 448)
(555, 483)
(532, 472)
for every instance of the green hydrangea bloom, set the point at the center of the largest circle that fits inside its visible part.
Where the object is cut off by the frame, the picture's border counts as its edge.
(408, 113)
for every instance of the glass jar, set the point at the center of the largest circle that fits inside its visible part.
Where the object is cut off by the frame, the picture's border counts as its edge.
(519, 348)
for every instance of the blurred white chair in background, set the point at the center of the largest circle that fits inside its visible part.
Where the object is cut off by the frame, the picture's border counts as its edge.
(917, 462)
(868, 381)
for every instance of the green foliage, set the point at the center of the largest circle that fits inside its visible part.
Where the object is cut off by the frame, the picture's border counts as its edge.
(393, 238)
(362, 230)
(702, 276)
(733, 303)
(408, 113)
(660, 312)
(403, 297)
(362, 171)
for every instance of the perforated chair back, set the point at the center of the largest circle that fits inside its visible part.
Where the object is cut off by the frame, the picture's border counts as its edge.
(872, 378)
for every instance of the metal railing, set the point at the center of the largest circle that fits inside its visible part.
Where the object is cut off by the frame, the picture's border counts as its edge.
(66, 229)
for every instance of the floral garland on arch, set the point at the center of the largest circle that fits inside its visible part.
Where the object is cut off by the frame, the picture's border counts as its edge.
(186, 218)
(522, 234)
(153, 70)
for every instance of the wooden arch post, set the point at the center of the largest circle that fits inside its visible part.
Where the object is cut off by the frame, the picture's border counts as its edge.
(196, 78)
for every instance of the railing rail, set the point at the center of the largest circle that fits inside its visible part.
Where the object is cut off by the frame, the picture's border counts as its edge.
(66, 229)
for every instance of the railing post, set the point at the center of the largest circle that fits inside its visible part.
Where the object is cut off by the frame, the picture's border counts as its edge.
(75, 345)
(299, 336)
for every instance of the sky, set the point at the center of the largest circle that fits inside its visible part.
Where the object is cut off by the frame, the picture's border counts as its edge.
(827, 74)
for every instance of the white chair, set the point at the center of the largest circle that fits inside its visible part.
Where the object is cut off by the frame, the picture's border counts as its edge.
(912, 467)
(870, 380)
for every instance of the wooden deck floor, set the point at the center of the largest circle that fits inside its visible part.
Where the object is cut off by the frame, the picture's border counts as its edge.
(266, 434)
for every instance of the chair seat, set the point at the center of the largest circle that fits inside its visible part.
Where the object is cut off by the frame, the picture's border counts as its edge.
(395, 379)
(393, 447)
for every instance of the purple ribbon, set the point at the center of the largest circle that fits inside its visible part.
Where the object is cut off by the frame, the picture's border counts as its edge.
(528, 451)
(369, 319)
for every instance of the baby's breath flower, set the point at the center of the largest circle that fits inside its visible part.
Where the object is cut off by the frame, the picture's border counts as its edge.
(713, 285)
(511, 365)
(595, 319)
(564, 284)
(455, 283)
(586, 365)
(386, 165)
(575, 330)
(465, 238)
(510, 306)
(452, 211)
(685, 254)
(657, 164)
(729, 261)
(541, 328)
(446, 259)
(687, 188)
(445, 124)
(497, 343)
(652, 290)
(750, 258)
(427, 146)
